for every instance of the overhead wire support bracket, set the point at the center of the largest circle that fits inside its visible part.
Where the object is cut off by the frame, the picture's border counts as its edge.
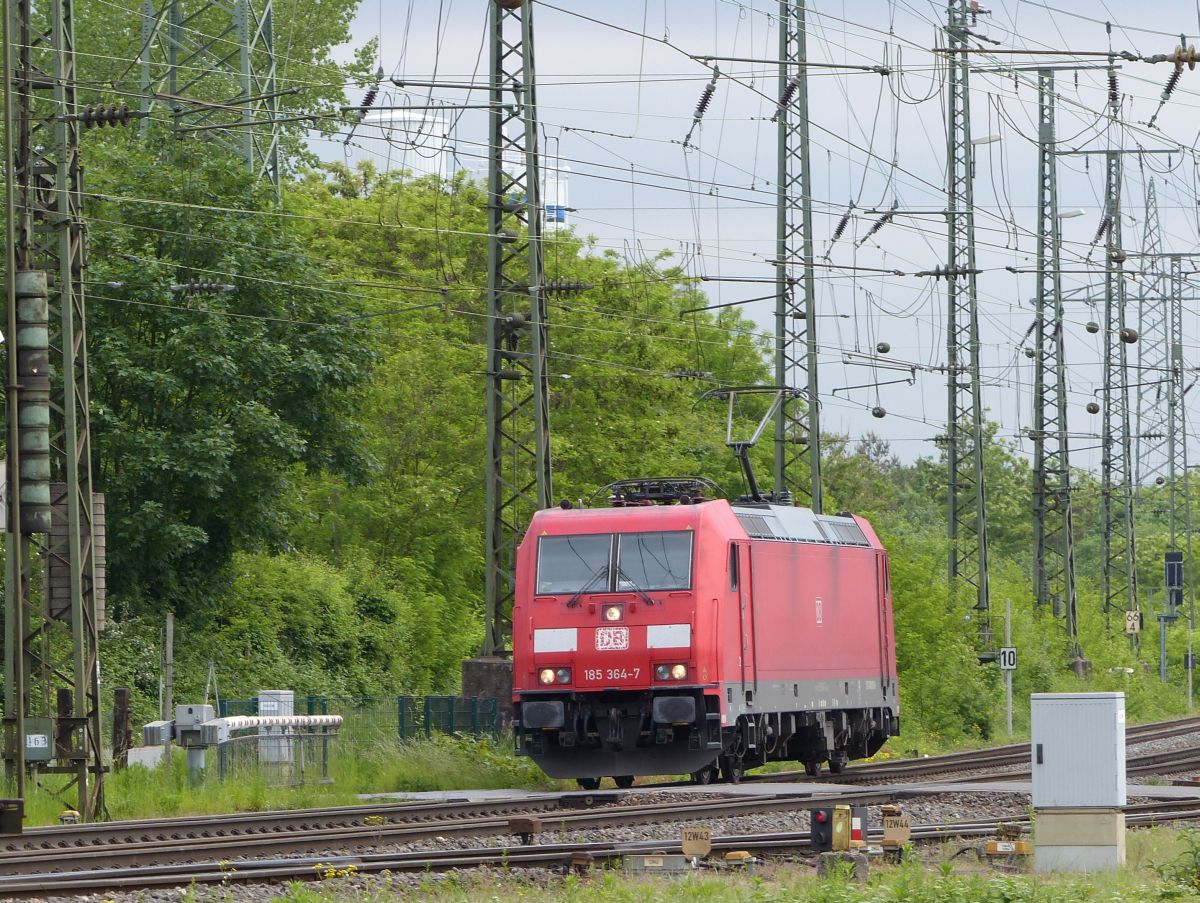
(806, 64)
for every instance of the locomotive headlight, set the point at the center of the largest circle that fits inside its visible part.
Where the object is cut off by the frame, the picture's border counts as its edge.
(613, 613)
(546, 676)
(678, 672)
(662, 672)
(563, 675)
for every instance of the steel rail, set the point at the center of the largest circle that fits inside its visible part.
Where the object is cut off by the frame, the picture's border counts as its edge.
(277, 870)
(969, 760)
(222, 847)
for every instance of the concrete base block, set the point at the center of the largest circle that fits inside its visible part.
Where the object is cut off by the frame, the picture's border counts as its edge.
(493, 678)
(1079, 840)
(831, 864)
(1078, 859)
(146, 756)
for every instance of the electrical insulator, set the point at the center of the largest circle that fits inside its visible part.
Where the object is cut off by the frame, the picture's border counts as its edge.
(880, 223)
(368, 100)
(1093, 408)
(565, 287)
(702, 104)
(1172, 82)
(1030, 353)
(883, 348)
(202, 288)
(1102, 229)
(840, 228)
(786, 98)
(100, 116)
(33, 400)
(1114, 92)
(705, 100)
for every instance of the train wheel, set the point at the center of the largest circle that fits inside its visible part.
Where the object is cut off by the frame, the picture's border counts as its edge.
(588, 783)
(812, 769)
(732, 769)
(624, 781)
(837, 764)
(705, 775)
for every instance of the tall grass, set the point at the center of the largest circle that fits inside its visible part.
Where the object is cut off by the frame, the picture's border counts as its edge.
(361, 765)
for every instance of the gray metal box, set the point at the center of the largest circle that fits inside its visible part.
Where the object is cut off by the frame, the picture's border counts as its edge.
(188, 719)
(158, 733)
(39, 739)
(189, 716)
(1078, 750)
(215, 732)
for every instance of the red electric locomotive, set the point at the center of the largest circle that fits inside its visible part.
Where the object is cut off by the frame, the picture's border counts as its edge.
(670, 634)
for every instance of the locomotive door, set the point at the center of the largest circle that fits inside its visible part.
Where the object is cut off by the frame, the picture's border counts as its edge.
(746, 621)
(883, 600)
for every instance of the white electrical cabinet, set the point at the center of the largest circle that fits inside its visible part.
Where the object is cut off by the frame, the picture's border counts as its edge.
(1078, 750)
(274, 744)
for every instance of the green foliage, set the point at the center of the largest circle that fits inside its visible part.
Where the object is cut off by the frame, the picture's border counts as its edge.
(785, 884)
(297, 621)
(203, 403)
(1181, 875)
(385, 765)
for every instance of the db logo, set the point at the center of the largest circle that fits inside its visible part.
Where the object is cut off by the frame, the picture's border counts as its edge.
(612, 639)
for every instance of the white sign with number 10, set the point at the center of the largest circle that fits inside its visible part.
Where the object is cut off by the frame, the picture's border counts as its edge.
(1008, 658)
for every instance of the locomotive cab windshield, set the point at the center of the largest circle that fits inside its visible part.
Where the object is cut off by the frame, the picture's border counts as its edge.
(614, 563)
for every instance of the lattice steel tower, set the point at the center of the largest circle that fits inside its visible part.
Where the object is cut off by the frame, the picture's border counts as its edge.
(1176, 476)
(51, 693)
(1153, 353)
(212, 65)
(967, 514)
(1053, 529)
(798, 423)
(518, 419)
(1116, 491)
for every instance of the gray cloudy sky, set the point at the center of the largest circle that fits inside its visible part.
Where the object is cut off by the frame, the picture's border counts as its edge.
(617, 88)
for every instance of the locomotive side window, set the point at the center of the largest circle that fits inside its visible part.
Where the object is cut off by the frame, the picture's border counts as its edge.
(733, 565)
(571, 564)
(654, 561)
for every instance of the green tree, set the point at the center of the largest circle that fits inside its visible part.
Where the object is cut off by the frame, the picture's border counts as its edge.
(202, 402)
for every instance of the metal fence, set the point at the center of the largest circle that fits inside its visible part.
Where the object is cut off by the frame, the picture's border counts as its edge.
(368, 720)
(282, 756)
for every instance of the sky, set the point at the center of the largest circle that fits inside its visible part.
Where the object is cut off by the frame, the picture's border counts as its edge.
(618, 84)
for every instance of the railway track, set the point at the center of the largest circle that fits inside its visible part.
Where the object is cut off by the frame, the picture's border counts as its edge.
(191, 846)
(165, 852)
(996, 757)
(268, 870)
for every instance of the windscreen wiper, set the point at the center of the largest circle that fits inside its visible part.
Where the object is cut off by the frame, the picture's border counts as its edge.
(642, 594)
(601, 572)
